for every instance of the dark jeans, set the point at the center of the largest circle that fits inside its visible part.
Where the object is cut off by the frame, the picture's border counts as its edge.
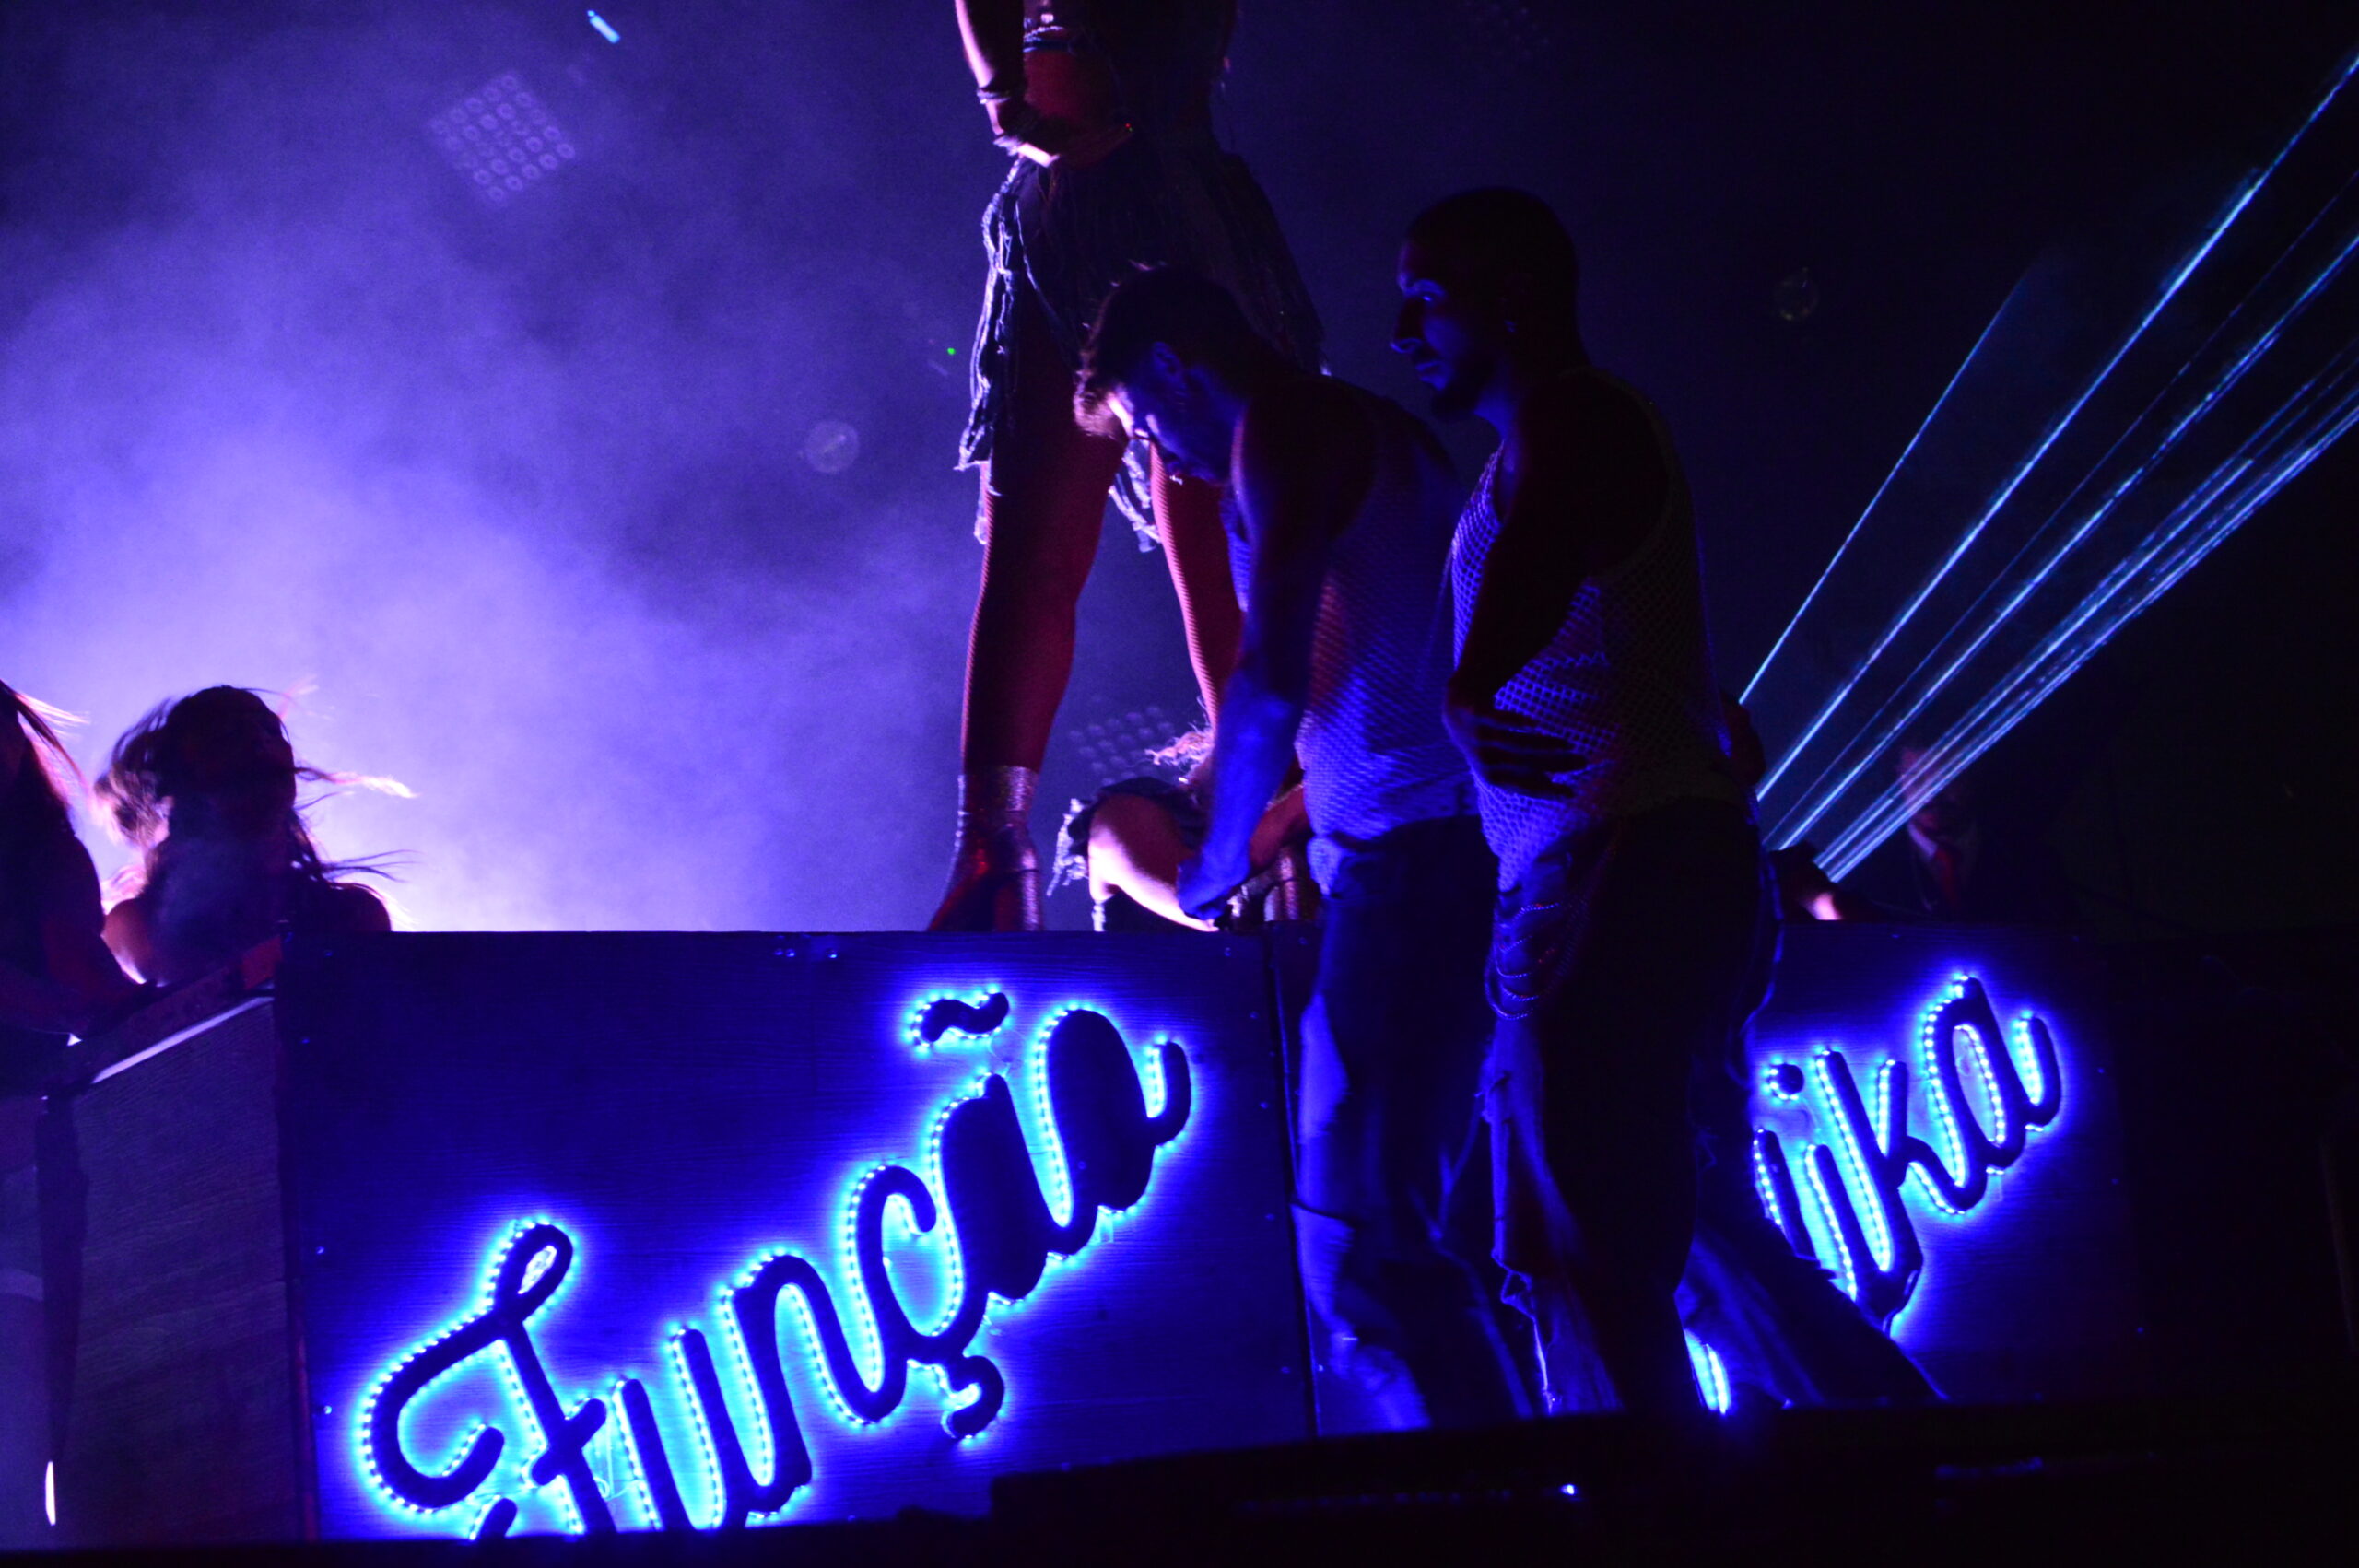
(1775, 1317)
(1619, 971)
(1390, 1208)
(1624, 970)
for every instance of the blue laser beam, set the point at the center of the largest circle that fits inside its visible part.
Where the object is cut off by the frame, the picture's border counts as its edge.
(2302, 447)
(2235, 208)
(2339, 421)
(2229, 498)
(1974, 530)
(2168, 443)
(1877, 499)
(1978, 733)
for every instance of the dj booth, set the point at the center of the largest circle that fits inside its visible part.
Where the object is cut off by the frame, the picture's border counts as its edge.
(463, 1235)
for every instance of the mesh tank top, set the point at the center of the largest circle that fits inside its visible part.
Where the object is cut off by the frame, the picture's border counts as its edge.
(1626, 681)
(1374, 754)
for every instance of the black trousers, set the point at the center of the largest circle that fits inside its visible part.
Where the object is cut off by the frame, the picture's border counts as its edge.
(1619, 970)
(1392, 1206)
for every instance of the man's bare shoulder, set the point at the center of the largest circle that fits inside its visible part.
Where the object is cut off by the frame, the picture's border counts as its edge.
(1307, 455)
(1305, 415)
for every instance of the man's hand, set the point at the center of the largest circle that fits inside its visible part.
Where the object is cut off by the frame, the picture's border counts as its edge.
(1019, 128)
(1508, 752)
(1806, 892)
(1207, 880)
(1284, 825)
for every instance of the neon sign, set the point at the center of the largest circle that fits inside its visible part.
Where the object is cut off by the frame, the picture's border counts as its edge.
(1986, 1089)
(995, 1226)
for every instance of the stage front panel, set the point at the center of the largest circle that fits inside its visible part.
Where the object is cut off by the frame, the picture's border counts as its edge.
(649, 1231)
(1937, 1123)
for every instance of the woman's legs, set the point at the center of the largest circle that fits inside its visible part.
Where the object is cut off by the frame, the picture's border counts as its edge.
(1044, 503)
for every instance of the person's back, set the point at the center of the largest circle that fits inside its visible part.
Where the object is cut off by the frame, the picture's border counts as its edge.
(1374, 754)
(1625, 681)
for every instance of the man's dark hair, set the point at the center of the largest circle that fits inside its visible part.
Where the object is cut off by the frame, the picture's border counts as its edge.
(1199, 319)
(1496, 232)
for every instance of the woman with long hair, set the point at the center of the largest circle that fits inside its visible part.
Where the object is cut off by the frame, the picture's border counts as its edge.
(204, 789)
(1106, 106)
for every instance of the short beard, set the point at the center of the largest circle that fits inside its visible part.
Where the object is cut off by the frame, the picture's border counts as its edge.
(1456, 398)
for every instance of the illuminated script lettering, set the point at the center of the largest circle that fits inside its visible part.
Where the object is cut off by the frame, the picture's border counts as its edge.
(1985, 1088)
(1099, 1139)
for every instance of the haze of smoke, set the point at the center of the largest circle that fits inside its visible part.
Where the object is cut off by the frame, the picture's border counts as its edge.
(277, 419)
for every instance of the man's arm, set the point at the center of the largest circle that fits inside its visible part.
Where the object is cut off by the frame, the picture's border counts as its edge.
(1588, 482)
(1195, 547)
(1306, 457)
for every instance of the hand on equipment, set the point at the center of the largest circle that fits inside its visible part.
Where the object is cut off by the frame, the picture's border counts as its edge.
(1207, 881)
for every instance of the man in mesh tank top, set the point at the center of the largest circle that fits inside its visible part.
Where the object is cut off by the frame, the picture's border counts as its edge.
(1631, 894)
(1338, 535)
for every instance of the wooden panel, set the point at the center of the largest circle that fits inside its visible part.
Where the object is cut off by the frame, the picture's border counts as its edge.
(182, 1422)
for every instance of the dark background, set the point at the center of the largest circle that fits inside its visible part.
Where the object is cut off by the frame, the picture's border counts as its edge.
(523, 490)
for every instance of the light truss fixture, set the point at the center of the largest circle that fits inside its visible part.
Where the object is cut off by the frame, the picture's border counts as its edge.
(502, 139)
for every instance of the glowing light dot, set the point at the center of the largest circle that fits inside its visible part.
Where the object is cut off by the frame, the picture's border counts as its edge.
(832, 446)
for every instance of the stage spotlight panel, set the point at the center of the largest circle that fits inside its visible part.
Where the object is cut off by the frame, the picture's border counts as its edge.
(502, 138)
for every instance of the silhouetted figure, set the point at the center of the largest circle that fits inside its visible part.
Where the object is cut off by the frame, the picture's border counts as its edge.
(1630, 941)
(1343, 504)
(57, 977)
(205, 789)
(1951, 861)
(1107, 107)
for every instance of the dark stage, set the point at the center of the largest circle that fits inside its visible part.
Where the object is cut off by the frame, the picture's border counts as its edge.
(2259, 1478)
(516, 1091)
(2135, 1312)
